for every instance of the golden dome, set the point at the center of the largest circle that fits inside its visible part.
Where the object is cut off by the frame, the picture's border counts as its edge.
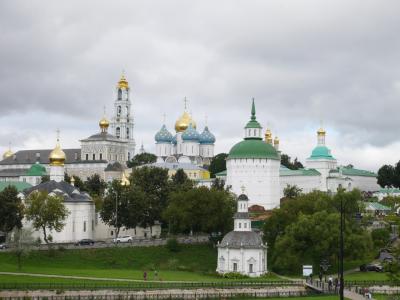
(183, 122)
(268, 136)
(8, 154)
(276, 140)
(123, 83)
(321, 131)
(104, 123)
(57, 156)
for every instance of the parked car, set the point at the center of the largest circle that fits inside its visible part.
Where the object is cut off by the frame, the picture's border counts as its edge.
(371, 267)
(85, 242)
(3, 246)
(123, 239)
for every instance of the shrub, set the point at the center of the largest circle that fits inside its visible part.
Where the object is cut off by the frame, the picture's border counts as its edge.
(173, 245)
(234, 275)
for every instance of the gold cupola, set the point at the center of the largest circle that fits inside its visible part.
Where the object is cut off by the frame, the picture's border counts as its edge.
(104, 123)
(183, 122)
(276, 140)
(57, 156)
(321, 132)
(123, 83)
(268, 136)
(8, 153)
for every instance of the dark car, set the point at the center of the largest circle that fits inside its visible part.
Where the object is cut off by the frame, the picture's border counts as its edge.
(3, 246)
(84, 242)
(371, 267)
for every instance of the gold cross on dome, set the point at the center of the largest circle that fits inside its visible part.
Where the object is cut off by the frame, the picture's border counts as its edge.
(58, 134)
(164, 117)
(185, 100)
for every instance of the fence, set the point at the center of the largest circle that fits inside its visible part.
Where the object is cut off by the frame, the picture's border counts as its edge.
(156, 296)
(142, 285)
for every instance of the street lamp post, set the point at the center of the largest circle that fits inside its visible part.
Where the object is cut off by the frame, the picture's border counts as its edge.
(341, 251)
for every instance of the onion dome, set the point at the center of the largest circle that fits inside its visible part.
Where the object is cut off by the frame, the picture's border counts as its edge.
(123, 83)
(206, 137)
(8, 154)
(104, 123)
(268, 136)
(243, 197)
(190, 134)
(163, 136)
(183, 122)
(57, 156)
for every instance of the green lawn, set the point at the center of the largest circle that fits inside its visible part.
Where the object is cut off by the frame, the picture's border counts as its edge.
(191, 263)
(377, 276)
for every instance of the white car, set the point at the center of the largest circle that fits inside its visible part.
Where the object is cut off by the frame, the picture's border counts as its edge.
(123, 239)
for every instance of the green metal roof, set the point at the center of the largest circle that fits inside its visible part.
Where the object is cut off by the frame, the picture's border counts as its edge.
(321, 152)
(356, 172)
(220, 174)
(36, 170)
(19, 185)
(389, 190)
(253, 148)
(377, 206)
(300, 172)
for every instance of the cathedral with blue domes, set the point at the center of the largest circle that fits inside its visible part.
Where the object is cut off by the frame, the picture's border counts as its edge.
(187, 145)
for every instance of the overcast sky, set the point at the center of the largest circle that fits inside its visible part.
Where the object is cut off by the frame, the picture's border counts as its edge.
(303, 61)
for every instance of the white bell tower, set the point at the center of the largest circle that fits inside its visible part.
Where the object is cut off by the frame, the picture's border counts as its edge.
(122, 122)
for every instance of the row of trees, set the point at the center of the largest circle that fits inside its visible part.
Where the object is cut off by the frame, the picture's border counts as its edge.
(182, 208)
(305, 230)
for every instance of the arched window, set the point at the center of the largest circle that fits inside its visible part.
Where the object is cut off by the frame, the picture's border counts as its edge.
(129, 156)
(119, 94)
(94, 156)
(255, 132)
(127, 133)
(119, 111)
(87, 156)
(118, 132)
(101, 156)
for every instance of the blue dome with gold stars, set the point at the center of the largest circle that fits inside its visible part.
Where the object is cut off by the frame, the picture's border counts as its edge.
(190, 134)
(206, 137)
(163, 136)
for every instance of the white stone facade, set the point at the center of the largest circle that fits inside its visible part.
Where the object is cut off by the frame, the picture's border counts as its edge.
(259, 176)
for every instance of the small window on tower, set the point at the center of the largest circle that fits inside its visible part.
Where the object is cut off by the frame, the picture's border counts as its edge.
(94, 156)
(118, 111)
(127, 133)
(119, 94)
(101, 156)
(87, 156)
(118, 132)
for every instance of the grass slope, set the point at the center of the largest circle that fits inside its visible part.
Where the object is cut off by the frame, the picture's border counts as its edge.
(191, 263)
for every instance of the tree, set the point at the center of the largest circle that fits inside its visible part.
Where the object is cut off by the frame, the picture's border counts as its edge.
(95, 185)
(286, 161)
(200, 210)
(79, 184)
(11, 210)
(217, 164)
(46, 212)
(380, 237)
(21, 242)
(67, 178)
(386, 176)
(292, 191)
(44, 178)
(180, 181)
(141, 159)
(154, 182)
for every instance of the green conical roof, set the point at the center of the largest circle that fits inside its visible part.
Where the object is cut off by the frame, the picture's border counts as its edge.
(253, 121)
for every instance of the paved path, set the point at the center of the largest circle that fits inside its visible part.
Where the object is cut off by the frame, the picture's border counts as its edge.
(81, 277)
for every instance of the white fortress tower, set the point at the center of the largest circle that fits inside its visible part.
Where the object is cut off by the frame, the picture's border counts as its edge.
(255, 164)
(122, 121)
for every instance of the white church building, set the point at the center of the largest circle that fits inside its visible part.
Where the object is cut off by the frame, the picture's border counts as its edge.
(242, 250)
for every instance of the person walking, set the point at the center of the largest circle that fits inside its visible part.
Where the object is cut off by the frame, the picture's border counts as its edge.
(330, 283)
(144, 275)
